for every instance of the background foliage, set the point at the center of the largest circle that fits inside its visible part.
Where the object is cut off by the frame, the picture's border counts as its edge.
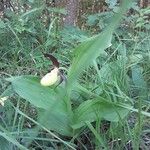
(105, 104)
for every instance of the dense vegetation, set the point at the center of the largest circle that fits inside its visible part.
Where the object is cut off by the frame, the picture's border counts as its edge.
(99, 97)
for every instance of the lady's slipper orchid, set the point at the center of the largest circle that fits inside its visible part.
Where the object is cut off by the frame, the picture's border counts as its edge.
(50, 78)
(55, 76)
(2, 100)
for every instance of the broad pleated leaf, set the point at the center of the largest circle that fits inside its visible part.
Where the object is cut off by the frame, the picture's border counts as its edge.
(57, 121)
(91, 110)
(52, 101)
(89, 50)
(29, 88)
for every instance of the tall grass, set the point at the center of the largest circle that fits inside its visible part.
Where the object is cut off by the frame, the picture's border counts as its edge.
(103, 104)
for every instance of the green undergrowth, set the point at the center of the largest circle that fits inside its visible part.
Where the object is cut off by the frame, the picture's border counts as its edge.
(104, 102)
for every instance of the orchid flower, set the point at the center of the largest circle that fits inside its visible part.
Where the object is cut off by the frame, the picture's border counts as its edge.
(55, 75)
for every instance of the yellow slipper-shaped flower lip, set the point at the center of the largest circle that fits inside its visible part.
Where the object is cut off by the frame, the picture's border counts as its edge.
(50, 78)
(2, 100)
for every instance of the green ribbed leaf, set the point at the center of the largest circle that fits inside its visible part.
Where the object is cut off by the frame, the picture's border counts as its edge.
(91, 110)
